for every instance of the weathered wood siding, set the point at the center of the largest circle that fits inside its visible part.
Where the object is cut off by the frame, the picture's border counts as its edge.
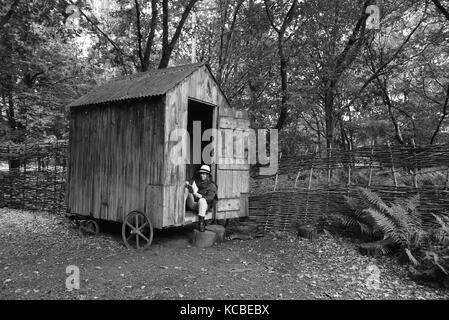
(233, 166)
(120, 156)
(202, 87)
(115, 152)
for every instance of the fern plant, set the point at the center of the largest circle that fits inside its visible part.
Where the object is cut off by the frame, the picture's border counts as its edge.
(355, 218)
(401, 221)
(424, 243)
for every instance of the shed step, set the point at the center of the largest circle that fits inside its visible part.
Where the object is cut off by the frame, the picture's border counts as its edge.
(192, 216)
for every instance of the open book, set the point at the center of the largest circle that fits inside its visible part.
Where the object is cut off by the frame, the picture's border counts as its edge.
(193, 185)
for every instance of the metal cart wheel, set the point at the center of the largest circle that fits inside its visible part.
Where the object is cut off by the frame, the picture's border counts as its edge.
(88, 228)
(137, 231)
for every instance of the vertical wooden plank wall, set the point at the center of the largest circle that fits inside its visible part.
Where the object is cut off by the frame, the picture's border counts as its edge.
(200, 86)
(120, 156)
(233, 178)
(115, 152)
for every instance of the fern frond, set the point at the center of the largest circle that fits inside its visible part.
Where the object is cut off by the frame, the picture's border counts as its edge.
(399, 215)
(365, 229)
(374, 199)
(416, 238)
(408, 209)
(443, 222)
(346, 220)
(351, 220)
(431, 255)
(411, 257)
(385, 224)
(412, 203)
(352, 203)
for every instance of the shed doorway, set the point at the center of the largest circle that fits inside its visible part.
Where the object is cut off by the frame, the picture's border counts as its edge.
(200, 117)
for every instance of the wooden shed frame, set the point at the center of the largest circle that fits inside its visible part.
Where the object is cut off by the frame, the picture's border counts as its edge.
(119, 148)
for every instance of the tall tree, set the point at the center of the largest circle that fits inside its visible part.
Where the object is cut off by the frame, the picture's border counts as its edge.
(441, 8)
(281, 30)
(168, 46)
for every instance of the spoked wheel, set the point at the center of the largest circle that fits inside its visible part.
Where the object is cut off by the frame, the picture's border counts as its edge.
(88, 228)
(137, 231)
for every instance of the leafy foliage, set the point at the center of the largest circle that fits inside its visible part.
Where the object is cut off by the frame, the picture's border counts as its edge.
(423, 244)
(355, 218)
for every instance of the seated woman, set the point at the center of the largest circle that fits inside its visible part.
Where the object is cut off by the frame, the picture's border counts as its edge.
(201, 197)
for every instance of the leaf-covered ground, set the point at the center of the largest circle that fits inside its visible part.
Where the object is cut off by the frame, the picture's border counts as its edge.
(36, 248)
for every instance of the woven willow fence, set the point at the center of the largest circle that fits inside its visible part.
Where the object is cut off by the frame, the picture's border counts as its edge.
(308, 189)
(304, 190)
(37, 180)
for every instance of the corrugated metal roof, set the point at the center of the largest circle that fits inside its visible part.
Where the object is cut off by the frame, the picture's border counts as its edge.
(138, 85)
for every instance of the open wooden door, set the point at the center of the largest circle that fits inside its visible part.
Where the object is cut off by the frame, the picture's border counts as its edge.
(232, 169)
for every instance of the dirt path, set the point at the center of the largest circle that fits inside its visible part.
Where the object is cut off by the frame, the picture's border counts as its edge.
(36, 248)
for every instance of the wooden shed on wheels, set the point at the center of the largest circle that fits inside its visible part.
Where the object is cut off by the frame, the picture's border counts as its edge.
(121, 166)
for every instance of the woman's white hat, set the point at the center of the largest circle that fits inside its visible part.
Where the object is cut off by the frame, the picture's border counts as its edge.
(204, 169)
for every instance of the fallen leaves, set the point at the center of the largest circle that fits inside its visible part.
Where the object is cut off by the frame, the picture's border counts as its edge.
(38, 247)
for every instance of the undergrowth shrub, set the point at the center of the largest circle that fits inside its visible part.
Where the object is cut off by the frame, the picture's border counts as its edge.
(424, 244)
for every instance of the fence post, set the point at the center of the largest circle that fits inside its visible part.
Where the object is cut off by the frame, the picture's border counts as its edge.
(299, 172)
(297, 177)
(329, 155)
(310, 181)
(310, 176)
(25, 158)
(415, 170)
(392, 165)
(277, 175)
(371, 164)
(349, 165)
(447, 179)
(23, 181)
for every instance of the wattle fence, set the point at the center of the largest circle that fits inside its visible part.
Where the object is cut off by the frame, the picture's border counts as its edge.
(33, 177)
(307, 189)
(304, 190)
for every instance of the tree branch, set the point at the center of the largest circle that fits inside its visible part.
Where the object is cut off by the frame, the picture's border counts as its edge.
(4, 20)
(119, 51)
(150, 39)
(446, 101)
(139, 34)
(270, 19)
(442, 9)
(229, 36)
(383, 87)
(167, 48)
(380, 71)
(346, 57)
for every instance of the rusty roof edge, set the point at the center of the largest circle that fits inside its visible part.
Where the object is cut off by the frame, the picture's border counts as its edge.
(193, 68)
(113, 101)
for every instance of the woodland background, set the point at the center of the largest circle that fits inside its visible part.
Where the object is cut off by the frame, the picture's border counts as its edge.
(372, 98)
(311, 69)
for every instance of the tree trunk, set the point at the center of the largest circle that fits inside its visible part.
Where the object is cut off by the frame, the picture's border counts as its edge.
(4, 20)
(283, 60)
(167, 47)
(442, 9)
(14, 164)
(150, 39)
(283, 71)
(226, 42)
(329, 112)
(443, 116)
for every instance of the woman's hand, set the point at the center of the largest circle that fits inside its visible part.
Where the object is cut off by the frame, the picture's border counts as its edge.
(189, 187)
(197, 195)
